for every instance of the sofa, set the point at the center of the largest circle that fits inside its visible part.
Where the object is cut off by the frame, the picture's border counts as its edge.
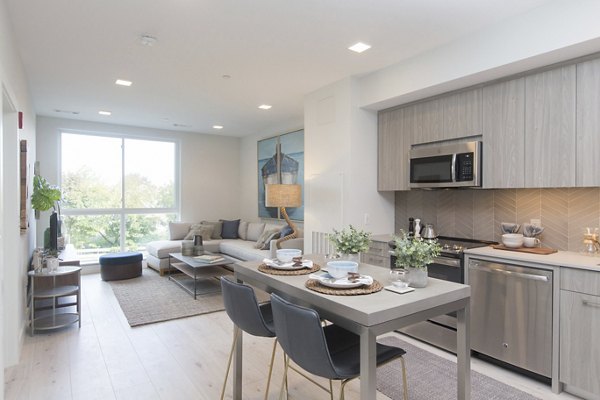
(238, 239)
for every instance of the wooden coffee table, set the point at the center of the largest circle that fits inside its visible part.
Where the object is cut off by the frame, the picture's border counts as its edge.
(198, 276)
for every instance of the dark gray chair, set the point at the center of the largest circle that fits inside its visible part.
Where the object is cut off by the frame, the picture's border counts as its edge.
(245, 312)
(330, 352)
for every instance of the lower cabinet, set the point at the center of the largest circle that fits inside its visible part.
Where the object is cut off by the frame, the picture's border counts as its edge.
(580, 334)
(378, 254)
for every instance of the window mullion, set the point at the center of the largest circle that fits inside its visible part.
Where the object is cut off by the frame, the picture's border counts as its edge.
(123, 233)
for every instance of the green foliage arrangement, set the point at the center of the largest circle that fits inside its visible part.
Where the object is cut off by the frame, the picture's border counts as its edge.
(45, 195)
(415, 252)
(350, 241)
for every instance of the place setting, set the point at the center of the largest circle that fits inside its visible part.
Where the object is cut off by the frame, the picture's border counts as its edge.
(288, 262)
(343, 279)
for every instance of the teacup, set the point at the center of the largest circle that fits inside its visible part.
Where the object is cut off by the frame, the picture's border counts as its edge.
(531, 242)
(512, 240)
(286, 255)
(340, 269)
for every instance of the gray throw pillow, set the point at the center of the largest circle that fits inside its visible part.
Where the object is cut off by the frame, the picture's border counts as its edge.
(230, 229)
(217, 228)
(199, 229)
(178, 230)
(264, 241)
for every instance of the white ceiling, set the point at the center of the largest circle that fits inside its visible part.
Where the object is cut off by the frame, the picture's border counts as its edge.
(275, 51)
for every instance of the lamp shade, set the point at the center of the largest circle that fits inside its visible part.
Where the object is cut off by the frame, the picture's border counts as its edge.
(278, 195)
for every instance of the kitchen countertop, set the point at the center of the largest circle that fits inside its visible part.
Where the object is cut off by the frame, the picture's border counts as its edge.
(382, 238)
(569, 259)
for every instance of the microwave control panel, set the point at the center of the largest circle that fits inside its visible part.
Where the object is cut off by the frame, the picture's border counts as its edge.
(464, 167)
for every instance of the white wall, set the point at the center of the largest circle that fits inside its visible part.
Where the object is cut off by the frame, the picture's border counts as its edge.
(554, 32)
(210, 165)
(341, 164)
(15, 248)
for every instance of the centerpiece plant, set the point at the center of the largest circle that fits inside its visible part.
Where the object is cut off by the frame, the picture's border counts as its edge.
(350, 241)
(415, 254)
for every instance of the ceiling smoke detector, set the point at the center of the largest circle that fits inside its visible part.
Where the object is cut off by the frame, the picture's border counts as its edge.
(148, 40)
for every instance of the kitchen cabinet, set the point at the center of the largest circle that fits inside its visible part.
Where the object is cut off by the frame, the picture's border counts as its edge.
(588, 122)
(462, 115)
(550, 113)
(579, 331)
(504, 134)
(396, 128)
(377, 254)
(428, 122)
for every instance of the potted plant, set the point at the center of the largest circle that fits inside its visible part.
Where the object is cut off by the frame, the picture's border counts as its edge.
(350, 242)
(415, 254)
(45, 197)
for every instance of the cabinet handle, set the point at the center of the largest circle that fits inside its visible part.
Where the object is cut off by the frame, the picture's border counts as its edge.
(590, 303)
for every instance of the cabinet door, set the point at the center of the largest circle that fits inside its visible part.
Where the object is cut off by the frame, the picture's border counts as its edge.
(550, 128)
(428, 122)
(588, 123)
(504, 135)
(579, 345)
(395, 131)
(461, 114)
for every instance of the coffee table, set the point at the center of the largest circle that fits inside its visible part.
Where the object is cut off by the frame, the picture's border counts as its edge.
(202, 274)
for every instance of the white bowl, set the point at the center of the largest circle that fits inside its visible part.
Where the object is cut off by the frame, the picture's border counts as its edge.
(286, 255)
(512, 240)
(340, 269)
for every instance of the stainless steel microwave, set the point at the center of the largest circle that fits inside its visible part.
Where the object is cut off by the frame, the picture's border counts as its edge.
(444, 166)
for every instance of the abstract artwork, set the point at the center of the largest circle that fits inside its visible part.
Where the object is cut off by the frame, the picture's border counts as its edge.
(281, 160)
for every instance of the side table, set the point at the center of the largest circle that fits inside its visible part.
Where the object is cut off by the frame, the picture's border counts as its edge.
(50, 287)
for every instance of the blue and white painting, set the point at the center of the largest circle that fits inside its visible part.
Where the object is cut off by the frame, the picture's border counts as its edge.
(281, 160)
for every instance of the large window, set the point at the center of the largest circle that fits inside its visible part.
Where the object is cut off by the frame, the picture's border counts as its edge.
(119, 193)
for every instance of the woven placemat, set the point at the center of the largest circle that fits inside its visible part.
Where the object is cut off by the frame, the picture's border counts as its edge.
(314, 284)
(274, 271)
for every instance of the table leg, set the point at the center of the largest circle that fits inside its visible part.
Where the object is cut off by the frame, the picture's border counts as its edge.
(368, 365)
(463, 352)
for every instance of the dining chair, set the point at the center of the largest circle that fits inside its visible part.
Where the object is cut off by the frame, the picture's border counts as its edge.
(327, 351)
(245, 312)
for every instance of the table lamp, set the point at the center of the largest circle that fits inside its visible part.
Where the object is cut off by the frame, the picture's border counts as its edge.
(282, 196)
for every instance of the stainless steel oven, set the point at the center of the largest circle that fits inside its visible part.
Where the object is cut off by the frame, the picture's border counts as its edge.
(449, 266)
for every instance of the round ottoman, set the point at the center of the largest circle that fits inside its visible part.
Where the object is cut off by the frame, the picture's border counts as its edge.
(117, 266)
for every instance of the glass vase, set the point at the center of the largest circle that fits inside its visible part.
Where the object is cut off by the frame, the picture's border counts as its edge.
(350, 257)
(417, 277)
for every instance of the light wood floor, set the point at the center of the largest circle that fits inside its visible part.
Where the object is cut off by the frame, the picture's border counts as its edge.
(180, 359)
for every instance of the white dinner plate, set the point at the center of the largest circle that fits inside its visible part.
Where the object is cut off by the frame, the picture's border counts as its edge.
(343, 283)
(288, 266)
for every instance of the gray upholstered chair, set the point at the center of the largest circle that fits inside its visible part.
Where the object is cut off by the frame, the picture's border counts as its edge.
(330, 352)
(245, 312)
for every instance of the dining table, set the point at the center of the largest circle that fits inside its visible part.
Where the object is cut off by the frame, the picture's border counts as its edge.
(367, 315)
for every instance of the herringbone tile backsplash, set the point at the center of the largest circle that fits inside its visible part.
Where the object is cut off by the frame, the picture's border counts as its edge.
(564, 213)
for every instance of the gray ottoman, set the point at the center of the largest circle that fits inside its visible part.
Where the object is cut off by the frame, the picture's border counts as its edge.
(117, 266)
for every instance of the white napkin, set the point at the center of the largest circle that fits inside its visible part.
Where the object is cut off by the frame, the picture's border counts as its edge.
(364, 279)
(278, 264)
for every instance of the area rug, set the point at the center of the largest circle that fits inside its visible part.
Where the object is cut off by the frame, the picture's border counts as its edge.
(431, 377)
(153, 298)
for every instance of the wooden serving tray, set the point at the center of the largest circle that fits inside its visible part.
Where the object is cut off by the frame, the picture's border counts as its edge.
(531, 250)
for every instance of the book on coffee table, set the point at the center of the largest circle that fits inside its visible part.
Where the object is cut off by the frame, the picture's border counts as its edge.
(209, 258)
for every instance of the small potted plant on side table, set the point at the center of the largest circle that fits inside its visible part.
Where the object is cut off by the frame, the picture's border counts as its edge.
(349, 243)
(414, 254)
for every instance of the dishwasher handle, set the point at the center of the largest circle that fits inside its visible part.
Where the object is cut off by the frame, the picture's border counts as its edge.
(533, 277)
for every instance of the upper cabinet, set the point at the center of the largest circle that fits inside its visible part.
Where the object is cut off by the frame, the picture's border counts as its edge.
(396, 128)
(588, 123)
(428, 122)
(550, 145)
(504, 135)
(461, 114)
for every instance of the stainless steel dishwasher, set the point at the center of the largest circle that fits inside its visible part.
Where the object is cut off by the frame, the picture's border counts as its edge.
(511, 314)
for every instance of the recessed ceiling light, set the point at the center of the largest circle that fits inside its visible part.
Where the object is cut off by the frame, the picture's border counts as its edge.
(265, 106)
(359, 47)
(101, 112)
(217, 126)
(123, 82)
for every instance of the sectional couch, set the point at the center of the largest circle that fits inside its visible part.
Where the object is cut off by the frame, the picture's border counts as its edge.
(248, 241)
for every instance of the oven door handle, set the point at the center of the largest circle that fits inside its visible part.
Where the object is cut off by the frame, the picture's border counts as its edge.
(450, 262)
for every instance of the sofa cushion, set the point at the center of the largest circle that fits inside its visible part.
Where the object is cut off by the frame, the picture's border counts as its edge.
(200, 229)
(286, 230)
(255, 229)
(230, 229)
(243, 230)
(162, 248)
(264, 241)
(178, 230)
(271, 227)
(243, 250)
(218, 226)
